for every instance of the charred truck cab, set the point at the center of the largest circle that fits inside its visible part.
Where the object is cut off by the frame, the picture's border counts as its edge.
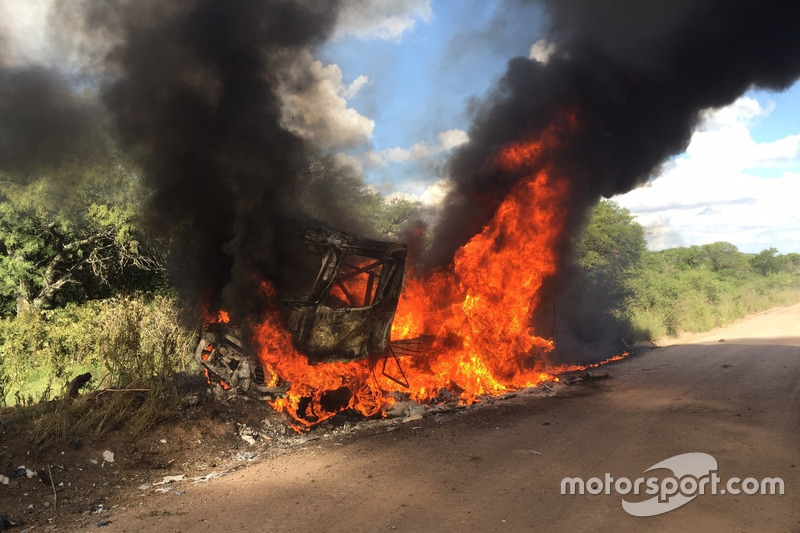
(339, 299)
(346, 312)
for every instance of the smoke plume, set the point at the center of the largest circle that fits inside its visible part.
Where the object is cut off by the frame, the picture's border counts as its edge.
(43, 125)
(636, 76)
(195, 98)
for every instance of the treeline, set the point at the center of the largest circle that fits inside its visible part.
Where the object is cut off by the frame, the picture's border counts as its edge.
(701, 287)
(685, 289)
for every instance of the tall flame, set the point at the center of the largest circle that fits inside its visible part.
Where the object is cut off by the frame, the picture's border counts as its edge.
(478, 311)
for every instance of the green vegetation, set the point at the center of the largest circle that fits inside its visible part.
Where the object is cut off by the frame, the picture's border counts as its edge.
(127, 343)
(58, 247)
(686, 289)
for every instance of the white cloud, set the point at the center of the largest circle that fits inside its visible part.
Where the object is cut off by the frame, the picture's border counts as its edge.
(315, 105)
(422, 150)
(380, 19)
(453, 138)
(434, 194)
(430, 195)
(354, 87)
(542, 50)
(727, 187)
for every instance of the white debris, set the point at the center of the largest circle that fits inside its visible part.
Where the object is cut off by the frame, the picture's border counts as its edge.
(3, 479)
(207, 477)
(93, 461)
(108, 456)
(143, 487)
(163, 441)
(249, 439)
(409, 410)
(171, 479)
(30, 474)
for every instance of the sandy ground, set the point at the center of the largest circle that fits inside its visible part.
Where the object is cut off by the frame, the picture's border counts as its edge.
(499, 467)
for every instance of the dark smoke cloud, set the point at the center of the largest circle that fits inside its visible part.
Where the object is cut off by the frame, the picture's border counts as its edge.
(45, 124)
(637, 74)
(195, 99)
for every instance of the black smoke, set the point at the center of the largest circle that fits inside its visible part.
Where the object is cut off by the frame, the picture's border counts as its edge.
(45, 125)
(637, 76)
(195, 98)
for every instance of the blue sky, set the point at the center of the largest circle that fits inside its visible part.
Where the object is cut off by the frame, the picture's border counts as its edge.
(422, 81)
(397, 80)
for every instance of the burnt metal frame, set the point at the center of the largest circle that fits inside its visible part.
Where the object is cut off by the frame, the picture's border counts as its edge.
(369, 297)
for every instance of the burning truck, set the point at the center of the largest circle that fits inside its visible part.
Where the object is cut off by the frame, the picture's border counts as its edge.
(338, 306)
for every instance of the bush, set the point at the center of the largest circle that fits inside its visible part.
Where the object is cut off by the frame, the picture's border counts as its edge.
(682, 290)
(123, 341)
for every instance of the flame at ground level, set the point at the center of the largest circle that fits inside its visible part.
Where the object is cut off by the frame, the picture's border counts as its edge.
(477, 312)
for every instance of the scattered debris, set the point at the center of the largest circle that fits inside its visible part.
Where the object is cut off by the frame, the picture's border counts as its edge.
(245, 456)
(208, 477)
(98, 507)
(527, 452)
(108, 456)
(585, 376)
(171, 479)
(250, 434)
(21, 472)
(408, 410)
(5, 523)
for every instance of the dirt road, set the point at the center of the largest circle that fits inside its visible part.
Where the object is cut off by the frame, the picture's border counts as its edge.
(499, 467)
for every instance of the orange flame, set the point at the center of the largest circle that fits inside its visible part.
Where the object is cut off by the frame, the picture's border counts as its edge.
(478, 311)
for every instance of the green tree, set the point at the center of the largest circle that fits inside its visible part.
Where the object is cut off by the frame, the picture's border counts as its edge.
(394, 214)
(612, 243)
(724, 257)
(57, 247)
(766, 261)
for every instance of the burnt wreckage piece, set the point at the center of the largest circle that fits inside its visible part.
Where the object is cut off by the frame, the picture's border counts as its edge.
(339, 303)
